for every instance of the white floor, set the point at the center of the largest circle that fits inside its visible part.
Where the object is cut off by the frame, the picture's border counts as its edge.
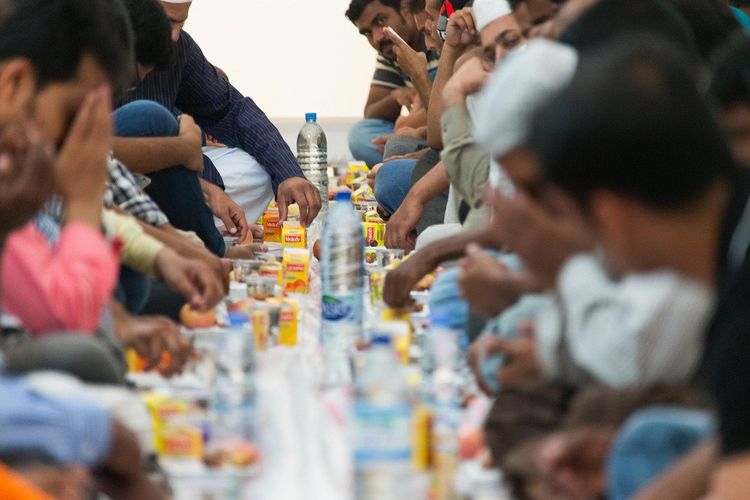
(336, 129)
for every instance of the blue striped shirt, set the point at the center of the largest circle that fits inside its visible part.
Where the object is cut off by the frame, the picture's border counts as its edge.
(193, 86)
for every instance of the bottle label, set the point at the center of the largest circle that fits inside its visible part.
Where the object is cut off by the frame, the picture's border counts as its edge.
(342, 308)
(382, 433)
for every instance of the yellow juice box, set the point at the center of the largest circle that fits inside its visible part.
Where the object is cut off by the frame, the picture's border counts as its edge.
(293, 235)
(261, 329)
(296, 263)
(374, 234)
(288, 323)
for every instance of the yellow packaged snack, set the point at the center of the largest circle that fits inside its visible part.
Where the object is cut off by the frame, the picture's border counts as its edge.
(293, 235)
(271, 226)
(374, 234)
(296, 264)
(288, 322)
(261, 329)
(273, 269)
(373, 216)
(162, 409)
(356, 170)
(181, 438)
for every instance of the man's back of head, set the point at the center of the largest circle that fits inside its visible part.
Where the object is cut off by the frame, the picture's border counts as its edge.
(608, 19)
(152, 32)
(55, 35)
(633, 122)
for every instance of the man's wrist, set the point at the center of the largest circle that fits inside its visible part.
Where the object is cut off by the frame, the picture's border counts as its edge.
(86, 211)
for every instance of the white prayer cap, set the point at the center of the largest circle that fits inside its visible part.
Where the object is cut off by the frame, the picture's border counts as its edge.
(517, 89)
(486, 11)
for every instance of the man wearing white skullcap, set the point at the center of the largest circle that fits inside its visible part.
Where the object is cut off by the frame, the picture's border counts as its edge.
(177, 11)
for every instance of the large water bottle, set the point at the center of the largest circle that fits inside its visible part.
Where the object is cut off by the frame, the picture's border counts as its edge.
(312, 156)
(342, 280)
(234, 391)
(446, 394)
(382, 427)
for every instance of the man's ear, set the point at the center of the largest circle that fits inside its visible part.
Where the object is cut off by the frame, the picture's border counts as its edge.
(613, 220)
(17, 86)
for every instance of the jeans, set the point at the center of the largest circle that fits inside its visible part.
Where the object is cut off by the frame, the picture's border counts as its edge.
(649, 443)
(176, 190)
(132, 290)
(392, 183)
(361, 136)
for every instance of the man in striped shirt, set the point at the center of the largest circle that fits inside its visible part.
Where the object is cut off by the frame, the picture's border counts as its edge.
(404, 70)
(192, 85)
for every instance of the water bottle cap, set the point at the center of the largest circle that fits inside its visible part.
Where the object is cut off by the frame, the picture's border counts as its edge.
(311, 117)
(343, 196)
(238, 319)
(381, 340)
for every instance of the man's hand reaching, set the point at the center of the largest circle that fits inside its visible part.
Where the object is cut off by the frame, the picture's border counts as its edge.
(302, 192)
(223, 207)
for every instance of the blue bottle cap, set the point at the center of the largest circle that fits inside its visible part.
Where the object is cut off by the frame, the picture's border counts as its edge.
(238, 319)
(381, 340)
(343, 196)
(311, 117)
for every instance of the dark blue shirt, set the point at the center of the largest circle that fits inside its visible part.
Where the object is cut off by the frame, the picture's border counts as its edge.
(193, 86)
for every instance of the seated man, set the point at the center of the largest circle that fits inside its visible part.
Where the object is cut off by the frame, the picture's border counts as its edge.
(390, 90)
(192, 85)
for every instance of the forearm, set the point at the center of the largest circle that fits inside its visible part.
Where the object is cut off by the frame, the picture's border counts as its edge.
(85, 211)
(146, 155)
(423, 84)
(445, 70)
(386, 108)
(467, 165)
(430, 186)
(689, 478)
(176, 241)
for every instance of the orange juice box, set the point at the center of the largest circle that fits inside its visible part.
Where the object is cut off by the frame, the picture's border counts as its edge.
(296, 263)
(261, 329)
(374, 234)
(293, 235)
(271, 226)
(288, 323)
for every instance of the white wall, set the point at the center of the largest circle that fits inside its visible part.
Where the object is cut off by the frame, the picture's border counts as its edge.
(290, 56)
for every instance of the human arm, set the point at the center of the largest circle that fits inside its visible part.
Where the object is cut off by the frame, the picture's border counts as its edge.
(458, 38)
(401, 224)
(400, 281)
(146, 155)
(382, 104)
(61, 288)
(688, 478)
(223, 207)
(414, 64)
(466, 163)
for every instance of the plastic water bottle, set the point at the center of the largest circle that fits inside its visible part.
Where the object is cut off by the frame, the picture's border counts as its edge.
(446, 383)
(312, 156)
(382, 426)
(234, 392)
(342, 272)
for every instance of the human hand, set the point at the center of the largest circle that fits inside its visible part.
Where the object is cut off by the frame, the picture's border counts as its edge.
(401, 281)
(150, 337)
(405, 96)
(544, 237)
(247, 252)
(302, 192)
(82, 171)
(191, 278)
(467, 80)
(223, 207)
(461, 30)
(487, 285)
(399, 230)
(192, 138)
(372, 175)
(575, 461)
(519, 354)
(27, 176)
(413, 63)
(379, 142)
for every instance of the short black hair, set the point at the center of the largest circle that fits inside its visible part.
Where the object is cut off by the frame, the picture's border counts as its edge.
(730, 82)
(608, 19)
(55, 35)
(415, 6)
(711, 22)
(153, 33)
(356, 7)
(632, 121)
(514, 3)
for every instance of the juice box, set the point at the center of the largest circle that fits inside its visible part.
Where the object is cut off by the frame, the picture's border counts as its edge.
(261, 329)
(296, 263)
(271, 226)
(273, 269)
(374, 234)
(288, 322)
(293, 235)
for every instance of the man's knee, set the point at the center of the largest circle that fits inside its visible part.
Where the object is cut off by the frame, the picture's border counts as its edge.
(360, 139)
(145, 119)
